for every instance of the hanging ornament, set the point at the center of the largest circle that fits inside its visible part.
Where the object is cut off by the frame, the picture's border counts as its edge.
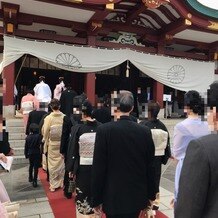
(154, 3)
(127, 69)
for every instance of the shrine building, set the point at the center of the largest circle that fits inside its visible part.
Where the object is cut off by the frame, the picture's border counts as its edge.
(159, 46)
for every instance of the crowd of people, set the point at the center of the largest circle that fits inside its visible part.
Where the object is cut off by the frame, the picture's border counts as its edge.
(116, 165)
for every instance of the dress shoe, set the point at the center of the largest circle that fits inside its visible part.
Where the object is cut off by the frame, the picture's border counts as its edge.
(35, 184)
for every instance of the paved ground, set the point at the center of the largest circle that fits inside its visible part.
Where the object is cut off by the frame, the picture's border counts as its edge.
(34, 203)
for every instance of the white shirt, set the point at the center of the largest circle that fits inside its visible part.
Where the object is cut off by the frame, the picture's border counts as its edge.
(42, 92)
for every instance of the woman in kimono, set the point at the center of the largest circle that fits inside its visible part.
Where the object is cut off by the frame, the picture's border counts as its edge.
(59, 88)
(28, 104)
(51, 131)
(161, 140)
(79, 159)
(191, 128)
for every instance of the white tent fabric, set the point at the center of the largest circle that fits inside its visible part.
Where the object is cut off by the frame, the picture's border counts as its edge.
(181, 74)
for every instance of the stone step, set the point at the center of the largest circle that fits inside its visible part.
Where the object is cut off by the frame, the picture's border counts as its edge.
(16, 136)
(17, 143)
(19, 151)
(13, 129)
(14, 122)
(20, 159)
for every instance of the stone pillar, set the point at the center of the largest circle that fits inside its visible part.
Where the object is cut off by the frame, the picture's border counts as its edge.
(158, 91)
(8, 91)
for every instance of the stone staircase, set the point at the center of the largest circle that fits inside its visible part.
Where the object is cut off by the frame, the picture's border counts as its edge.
(16, 137)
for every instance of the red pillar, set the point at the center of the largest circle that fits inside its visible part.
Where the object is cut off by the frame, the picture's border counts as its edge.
(158, 91)
(90, 77)
(90, 87)
(8, 84)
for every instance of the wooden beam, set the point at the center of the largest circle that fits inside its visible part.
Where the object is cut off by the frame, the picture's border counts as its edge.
(1, 30)
(119, 45)
(88, 7)
(28, 19)
(152, 50)
(150, 38)
(9, 16)
(185, 13)
(214, 45)
(155, 17)
(201, 29)
(51, 37)
(196, 44)
(186, 55)
(167, 13)
(133, 14)
(174, 27)
(96, 22)
(114, 26)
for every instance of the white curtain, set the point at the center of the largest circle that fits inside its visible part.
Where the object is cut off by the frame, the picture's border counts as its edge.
(177, 73)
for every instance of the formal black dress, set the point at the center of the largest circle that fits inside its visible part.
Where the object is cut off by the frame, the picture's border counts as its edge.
(68, 122)
(79, 161)
(158, 160)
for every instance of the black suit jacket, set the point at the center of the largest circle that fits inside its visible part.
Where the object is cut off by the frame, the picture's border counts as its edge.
(198, 185)
(123, 176)
(102, 115)
(34, 117)
(66, 101)
(68, 122)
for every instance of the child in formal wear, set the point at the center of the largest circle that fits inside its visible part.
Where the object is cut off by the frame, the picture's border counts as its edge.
(33, 152)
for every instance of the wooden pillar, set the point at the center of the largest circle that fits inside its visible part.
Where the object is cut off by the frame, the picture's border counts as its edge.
(158, 88)
(158, 91)
(90, 87)
(8, 84)
(90, 77)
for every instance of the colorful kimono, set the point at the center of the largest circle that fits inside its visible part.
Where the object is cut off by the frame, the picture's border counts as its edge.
(28, 104)
(58, 90)
(184, 132)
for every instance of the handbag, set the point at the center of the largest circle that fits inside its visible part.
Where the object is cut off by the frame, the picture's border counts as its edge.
(72, 185)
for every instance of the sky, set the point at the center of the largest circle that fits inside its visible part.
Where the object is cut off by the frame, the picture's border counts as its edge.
(210, 3)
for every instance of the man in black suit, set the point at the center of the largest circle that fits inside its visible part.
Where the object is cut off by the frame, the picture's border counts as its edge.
(35, 116)
(123, 177)
(198, 185)
(66, 101)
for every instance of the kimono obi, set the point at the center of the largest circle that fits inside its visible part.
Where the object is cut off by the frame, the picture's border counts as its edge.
(160, 139)
(86, 148)
(27, 107)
